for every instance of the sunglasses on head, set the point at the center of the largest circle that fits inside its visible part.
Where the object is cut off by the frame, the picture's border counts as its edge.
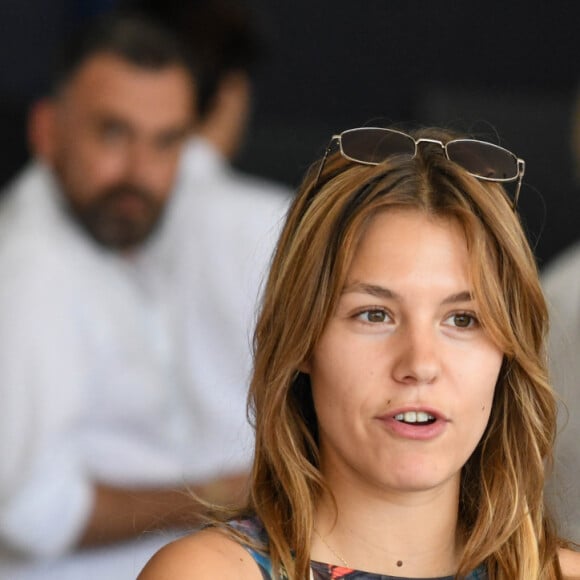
(483, 160)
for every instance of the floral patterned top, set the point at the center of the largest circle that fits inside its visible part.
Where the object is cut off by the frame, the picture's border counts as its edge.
(253, 528)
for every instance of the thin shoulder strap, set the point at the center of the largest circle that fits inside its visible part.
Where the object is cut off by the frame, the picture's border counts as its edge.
(263, 563)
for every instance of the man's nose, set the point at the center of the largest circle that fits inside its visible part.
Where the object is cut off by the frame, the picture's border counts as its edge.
(141, 165)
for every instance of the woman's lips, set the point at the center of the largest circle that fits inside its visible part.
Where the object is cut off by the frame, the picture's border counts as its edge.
(417, 423)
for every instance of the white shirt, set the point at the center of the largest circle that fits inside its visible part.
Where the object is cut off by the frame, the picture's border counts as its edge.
(224, 228)
(561, 282)
(127, 371)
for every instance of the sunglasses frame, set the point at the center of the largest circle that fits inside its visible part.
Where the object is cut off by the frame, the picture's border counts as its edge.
(520, 163)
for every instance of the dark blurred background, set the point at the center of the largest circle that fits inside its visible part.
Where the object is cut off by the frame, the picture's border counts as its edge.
(506, 71)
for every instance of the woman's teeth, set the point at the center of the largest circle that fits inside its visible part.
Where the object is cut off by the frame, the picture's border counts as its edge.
(415, 417)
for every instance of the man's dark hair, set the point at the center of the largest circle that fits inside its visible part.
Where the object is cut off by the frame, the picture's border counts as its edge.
(131, 36)
(222, 36)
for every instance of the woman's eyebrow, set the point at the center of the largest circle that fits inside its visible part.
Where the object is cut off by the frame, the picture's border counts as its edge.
(372, 289)
(387, 293)
(464, 296)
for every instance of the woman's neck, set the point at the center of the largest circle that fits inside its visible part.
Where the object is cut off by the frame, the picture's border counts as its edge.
(410, 534)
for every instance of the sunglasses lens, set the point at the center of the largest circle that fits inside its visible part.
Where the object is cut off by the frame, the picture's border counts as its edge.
(484, 160)
(373, 146)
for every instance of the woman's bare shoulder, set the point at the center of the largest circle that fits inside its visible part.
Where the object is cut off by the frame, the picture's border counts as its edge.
(570, 563)
(205, 555)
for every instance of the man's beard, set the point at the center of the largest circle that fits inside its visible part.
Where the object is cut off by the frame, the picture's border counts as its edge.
(114, 226)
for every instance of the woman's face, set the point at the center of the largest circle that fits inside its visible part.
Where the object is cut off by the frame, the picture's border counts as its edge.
(403, 376)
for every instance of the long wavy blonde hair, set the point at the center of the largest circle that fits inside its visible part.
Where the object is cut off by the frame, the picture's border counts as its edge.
(501, 511)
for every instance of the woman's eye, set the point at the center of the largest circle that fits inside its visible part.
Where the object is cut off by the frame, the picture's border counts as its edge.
(462, 320)
(373, 316)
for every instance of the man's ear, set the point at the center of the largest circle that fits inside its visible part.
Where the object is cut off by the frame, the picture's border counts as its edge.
(224, 124)
(42, 129)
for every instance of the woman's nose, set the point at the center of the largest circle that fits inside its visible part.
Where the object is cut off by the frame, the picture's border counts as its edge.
(417, 359)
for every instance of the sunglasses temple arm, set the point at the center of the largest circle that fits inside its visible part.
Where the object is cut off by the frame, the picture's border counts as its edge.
(319, 173)
(521, 171)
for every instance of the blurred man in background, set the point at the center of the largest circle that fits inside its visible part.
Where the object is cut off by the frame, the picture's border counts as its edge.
(225, 44)
(104, 414)
(224, 222)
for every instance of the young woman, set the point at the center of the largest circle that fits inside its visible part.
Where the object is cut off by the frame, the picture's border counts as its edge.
(402, 410)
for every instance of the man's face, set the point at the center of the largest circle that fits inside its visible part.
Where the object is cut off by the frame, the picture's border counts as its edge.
(115, 139)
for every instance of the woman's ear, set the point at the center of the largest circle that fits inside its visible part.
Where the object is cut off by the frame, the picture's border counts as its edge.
(42, 129)
(305, 367)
